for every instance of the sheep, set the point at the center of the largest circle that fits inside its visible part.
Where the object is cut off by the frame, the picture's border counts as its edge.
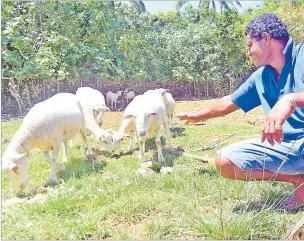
(47, 124)
(146, 113)
(93, 105)
(93, 100)
(169, 103)
(128, 95)
(112, 97)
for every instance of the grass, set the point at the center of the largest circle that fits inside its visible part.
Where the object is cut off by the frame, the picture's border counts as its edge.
(110, 201)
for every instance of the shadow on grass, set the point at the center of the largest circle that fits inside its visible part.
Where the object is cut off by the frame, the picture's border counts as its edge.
(271, 202)
(177, 131)
(207, 170)
(78, 168)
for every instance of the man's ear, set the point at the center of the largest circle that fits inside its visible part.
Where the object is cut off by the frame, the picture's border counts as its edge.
(266, 38)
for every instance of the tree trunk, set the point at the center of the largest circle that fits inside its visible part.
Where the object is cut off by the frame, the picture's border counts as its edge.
(43, 89)
(29, 102)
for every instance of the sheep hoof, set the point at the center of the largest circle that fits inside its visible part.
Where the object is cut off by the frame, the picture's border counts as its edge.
(171, 148)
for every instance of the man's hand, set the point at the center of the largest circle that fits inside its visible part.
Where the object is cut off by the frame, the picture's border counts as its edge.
(188, 117)
(272, 130)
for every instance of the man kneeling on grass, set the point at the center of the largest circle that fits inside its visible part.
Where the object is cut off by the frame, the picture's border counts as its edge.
(278, 85)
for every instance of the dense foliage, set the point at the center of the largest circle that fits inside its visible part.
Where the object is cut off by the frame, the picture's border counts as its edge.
(62, 41)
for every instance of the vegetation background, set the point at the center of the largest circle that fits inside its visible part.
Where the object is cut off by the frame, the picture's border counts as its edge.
(198, 53)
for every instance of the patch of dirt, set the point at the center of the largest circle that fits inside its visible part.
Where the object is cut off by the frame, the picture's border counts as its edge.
(255, 117)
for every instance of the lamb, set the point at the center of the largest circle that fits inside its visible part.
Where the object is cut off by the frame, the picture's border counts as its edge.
(93, 101)
(47, 124)
(128, 95)
(145, 114)
(93, 105)
(112, 97)
(169, 103)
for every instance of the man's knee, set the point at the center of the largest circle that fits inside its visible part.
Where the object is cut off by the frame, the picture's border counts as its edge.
(224, 166)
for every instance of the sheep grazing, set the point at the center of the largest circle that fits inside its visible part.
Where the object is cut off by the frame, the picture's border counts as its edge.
(128, 95)
(169, 103)
(93, 105)
(93, 100)
(48, 123)
(145, 114)
(112, 98)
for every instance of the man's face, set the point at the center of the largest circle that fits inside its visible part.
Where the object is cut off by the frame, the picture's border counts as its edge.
(258, 50)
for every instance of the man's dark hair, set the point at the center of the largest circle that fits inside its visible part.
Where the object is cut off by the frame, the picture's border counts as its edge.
(268, 23)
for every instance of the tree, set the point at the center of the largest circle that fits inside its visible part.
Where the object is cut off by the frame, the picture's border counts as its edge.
(139, 5)
(224, 4)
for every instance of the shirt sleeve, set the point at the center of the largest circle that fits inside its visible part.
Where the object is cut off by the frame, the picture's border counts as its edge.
(246, 96)
(300, 67)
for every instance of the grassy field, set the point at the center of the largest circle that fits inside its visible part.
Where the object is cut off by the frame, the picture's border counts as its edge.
(110, 201)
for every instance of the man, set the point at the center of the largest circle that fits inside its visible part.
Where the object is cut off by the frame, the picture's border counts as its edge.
(278, 85)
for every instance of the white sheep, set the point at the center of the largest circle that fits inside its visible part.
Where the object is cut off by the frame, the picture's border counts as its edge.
(128, 95)
(93, 100)
(145, 114)
(112, 98)
(47, 124)
(169, 103)
(93, 105)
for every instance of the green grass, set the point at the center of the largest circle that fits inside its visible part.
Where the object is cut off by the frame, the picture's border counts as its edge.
(110, 201)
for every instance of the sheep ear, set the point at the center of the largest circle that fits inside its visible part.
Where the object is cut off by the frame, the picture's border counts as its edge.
(9, 167)
(128, 116)
(14, 168)
(154, 113)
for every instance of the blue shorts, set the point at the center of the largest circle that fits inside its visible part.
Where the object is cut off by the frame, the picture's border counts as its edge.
(286, 157)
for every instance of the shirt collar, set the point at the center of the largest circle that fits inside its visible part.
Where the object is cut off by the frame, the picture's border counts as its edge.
(288, 51)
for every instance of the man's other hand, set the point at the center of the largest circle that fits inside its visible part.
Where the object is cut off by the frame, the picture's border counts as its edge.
(272, 130)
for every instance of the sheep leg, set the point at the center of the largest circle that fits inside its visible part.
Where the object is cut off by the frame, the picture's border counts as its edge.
(166, 127)
(131, 142)
(65, 151)
(48, 159)
(88, 151)
(141, 149)
(171, 121)
(158, 145)
(53, 177)
(71, 144)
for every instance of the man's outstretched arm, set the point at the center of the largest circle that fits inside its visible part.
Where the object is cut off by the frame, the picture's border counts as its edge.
(222, 107)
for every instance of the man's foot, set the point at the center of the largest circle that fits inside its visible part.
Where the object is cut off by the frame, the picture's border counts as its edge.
(299, 191)
(297, 199)
(291, 204)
